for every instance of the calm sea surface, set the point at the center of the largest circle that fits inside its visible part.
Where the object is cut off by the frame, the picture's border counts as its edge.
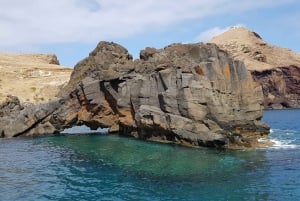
(117, 168)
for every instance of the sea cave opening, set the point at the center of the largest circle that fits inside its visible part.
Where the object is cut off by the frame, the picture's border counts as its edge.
(83, 129)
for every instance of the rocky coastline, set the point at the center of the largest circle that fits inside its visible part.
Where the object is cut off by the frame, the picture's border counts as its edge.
(187, 94)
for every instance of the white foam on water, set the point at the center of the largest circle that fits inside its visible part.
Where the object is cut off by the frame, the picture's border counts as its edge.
(285, 131)
(280, 144)
(283, 144)
(282, 139)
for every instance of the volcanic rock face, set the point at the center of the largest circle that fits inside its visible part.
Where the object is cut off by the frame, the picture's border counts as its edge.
(192, 94)
(276, 69)
(281, 87)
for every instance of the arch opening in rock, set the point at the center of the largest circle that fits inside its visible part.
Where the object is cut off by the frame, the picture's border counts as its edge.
(83, 129)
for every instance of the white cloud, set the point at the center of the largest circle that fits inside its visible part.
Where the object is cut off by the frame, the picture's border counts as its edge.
(215, 31)
(36, 22)
(208, 34)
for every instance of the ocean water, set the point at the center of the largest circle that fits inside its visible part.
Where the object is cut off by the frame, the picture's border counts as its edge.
(81, 167)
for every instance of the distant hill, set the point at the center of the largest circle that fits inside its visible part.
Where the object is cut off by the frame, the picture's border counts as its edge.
(32, 78)
(248, 46)
(277, 69)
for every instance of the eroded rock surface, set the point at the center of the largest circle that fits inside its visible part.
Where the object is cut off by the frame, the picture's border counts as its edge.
(276, 69)
(191, 94)
(281, 87)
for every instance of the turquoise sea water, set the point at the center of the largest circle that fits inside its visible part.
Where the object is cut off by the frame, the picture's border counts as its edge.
(117, 168)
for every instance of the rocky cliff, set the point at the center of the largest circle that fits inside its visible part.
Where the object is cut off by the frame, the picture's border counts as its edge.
(276, 69)
(191, 94)
(34, 78)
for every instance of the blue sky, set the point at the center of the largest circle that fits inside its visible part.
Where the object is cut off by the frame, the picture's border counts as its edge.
(72, 28)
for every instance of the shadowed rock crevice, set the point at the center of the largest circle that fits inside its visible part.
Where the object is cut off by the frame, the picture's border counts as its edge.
(188, 94)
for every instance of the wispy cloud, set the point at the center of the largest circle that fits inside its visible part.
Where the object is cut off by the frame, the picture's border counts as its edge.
(36, 22)
(205, 36)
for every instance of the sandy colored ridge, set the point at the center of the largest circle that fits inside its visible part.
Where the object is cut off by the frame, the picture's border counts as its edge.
(33, 78)
(249, 47)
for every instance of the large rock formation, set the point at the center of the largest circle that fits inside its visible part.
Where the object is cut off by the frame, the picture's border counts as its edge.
(192, 94)
(34, 78)
(276, 69)
(281, 87)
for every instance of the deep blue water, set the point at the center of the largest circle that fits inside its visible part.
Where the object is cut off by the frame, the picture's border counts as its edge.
(116, 168)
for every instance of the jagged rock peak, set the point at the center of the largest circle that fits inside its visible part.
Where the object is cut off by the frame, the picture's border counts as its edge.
(114, 49)
(108, 60)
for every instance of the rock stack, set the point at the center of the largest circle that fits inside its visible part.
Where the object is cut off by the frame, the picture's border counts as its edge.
(188, 94)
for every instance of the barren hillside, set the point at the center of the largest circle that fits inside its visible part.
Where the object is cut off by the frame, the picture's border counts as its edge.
(31, 77)
(248, 46)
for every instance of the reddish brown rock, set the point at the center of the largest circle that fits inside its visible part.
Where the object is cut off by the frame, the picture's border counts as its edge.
(281, 87)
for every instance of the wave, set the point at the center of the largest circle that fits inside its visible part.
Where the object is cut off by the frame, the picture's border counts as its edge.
(283, 144)
(284, 139)
(275, 130)
(280, 144)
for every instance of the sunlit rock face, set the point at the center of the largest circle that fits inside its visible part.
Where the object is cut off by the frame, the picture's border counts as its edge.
(189, 94)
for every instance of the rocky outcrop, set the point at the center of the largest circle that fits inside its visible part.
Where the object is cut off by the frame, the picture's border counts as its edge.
(191, 94)
(9, 105)
(276, 69)
(34, 78)
(281, 87)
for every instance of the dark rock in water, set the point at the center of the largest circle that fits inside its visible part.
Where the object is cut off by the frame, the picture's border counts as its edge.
(189, 94)
(32, 120)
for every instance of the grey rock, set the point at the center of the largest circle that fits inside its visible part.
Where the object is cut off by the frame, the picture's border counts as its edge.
(189, 94)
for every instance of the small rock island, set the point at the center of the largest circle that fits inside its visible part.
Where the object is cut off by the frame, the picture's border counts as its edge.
(187, 94)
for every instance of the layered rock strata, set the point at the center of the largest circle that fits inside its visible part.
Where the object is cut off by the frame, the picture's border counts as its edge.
(276, 69)
(189, 94)
(281, 87)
